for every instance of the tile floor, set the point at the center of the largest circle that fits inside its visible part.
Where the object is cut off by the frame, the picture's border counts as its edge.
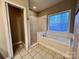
(36, 52)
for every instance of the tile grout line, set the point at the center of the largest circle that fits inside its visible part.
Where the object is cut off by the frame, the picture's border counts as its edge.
(38, 52)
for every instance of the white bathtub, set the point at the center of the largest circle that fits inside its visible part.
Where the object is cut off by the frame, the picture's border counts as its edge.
(62, 38)
(56, 41)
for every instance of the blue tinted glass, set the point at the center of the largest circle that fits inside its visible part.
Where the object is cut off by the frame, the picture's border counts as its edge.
(59, 22)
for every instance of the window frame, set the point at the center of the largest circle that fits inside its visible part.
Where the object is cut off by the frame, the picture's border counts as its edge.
(59, 13)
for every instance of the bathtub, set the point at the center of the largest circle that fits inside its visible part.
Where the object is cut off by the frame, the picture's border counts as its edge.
(62, 38)
(57, 41)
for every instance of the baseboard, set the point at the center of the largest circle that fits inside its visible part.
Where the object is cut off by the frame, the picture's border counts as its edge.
(34, 45)
(17, 43)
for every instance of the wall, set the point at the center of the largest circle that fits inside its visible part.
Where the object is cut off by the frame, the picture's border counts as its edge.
(62, 6)
(33, 26)
(3, 26)
(42, 23)
(37, 24)
(3, 44)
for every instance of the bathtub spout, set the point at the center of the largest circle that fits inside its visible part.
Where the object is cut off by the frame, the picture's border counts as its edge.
(71, 43)
(44, 35)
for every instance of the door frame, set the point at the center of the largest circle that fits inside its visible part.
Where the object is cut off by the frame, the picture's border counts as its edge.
(7, 25)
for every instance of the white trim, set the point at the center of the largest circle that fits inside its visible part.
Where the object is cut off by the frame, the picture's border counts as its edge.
(6, 26)
(29, 32)
(9, 31)
(14, 4)
(17, 43)
(68, 20)
(26, 30)
(34, 45)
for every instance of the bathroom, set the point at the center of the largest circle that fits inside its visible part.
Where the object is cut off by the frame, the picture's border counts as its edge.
(34, 29)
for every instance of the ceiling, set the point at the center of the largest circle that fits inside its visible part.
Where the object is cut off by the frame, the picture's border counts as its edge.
(42, 4)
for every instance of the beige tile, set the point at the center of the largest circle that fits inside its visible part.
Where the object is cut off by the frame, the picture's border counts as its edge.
(38, 56)
(16, 53)
(17, 57)
(38, 49)
(33, 52)
(57, 56)
(43, 48)
(48, 56)
(23, 52)
(27, 57)
(43, 53)
(32, 48)
(36, 52)
(52, 53)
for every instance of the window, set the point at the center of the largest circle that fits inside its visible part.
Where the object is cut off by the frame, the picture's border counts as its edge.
(59, 22)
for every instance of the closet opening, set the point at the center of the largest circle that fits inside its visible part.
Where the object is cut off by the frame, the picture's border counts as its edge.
(16, 19)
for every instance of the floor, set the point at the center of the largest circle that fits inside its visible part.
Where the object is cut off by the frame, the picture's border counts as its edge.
(36, 52)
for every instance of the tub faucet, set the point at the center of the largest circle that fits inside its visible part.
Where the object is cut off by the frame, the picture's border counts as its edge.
(71, 43)
(44, 35)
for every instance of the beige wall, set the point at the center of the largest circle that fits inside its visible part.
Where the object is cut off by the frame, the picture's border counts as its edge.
(3, 37)
(42, 23)
(37, 24)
